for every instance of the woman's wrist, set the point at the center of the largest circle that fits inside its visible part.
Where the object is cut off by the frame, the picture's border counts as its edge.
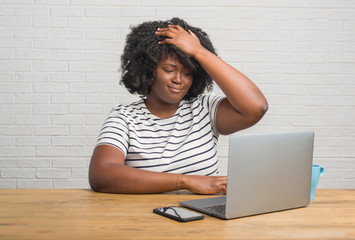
(182, 181)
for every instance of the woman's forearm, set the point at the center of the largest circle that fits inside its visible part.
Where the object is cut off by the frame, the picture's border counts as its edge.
(241, 92)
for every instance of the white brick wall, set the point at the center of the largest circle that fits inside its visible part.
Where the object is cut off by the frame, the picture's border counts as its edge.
(59, 77)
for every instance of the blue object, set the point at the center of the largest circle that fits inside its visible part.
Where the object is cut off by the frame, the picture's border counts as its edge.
(317, 171)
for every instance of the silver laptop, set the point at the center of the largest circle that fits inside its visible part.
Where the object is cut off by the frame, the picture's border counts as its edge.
(266, 173)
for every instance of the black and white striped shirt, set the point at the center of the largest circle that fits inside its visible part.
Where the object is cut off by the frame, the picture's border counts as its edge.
(184, 143)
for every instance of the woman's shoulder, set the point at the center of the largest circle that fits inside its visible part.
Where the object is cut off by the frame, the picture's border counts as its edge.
(208, 99)
(128, 110)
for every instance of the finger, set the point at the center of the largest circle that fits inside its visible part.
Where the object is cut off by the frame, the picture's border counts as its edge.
(193, 34)
(166, 41)
(165, 33)
(170, 28)
(177, 27)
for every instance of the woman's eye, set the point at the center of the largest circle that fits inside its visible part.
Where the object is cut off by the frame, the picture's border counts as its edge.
(167, 70)
(187, 74)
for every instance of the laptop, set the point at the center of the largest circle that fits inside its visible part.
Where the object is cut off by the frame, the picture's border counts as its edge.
(266, 173)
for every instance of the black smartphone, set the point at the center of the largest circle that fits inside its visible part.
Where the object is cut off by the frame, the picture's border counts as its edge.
(178, 214)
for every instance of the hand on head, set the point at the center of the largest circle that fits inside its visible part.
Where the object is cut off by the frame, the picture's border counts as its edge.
(187, 41)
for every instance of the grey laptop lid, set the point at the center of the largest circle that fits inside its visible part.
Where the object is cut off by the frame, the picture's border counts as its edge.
(266, 173)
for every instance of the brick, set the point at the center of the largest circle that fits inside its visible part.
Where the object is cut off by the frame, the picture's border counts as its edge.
(15, 88)
(85, 109)
(7, 140)
(32, 141)
(34, 183)
(137, 12)
(349, 174)
(16, 109)
(34, 162)
(68, 119)
(67, 141)
(49, 22)
(31, 11)
(52, 173)
(85, 88)
(50, 66)
(67, 11)
(50, 44)
(6, 78)
(44, 109)
(76, 183)
(67, 77)
(79, 173)
(50, 130)
(14, 66)
(32, 98)
(50, 88)
(8, 163)
(52, 2)
(52, 152)
(165, 12)
(76, 130)
(107, 56)
(85, 67)
(68, 98)
(9, 184)
(112, 88)
(344, 184)
(102, 99)
(69, 163)
(17, 173)
(15, 22)
(103, 12)
(323, 25)
(102, 77)
(104, 34)
(121, 23)
(6, 11)
(17, 151)
(7, 98)
(32, 54)
(88, 44)
(327, 4)
(31, 77)
(105, 2)
(67, 33)
(6, 54)
(15, 43)
(14, 130)
(85, 152)
(85, 22)
(6, 32)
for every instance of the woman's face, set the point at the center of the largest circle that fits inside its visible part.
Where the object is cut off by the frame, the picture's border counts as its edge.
(172, 82)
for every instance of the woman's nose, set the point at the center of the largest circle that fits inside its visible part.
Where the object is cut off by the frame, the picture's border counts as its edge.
(177, 78)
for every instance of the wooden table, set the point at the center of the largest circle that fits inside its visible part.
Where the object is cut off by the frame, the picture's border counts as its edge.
(83, 214)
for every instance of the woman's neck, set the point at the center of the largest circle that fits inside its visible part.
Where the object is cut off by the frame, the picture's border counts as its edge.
(161, 109)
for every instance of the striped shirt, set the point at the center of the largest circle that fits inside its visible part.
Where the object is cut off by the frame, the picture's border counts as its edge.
(184, 143)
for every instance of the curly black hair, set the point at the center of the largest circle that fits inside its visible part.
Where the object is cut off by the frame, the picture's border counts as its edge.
(142, 52)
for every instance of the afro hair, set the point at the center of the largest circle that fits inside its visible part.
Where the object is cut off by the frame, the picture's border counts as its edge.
(142, 52)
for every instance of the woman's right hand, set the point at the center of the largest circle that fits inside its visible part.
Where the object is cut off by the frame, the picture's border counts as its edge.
(204, 184)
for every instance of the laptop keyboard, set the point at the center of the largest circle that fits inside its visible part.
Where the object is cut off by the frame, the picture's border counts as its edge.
(217, 208)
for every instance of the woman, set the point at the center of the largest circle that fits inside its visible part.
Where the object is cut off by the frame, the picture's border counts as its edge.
(167, 140)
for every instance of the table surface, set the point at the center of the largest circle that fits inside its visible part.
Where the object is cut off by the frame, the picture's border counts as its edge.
(83, 214)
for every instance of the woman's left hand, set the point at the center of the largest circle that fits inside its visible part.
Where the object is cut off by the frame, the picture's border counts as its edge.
(176, 35)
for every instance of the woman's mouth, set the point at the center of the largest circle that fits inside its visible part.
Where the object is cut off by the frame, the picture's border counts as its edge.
(175, 89)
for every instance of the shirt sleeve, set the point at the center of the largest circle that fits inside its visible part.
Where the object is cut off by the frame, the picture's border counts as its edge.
(211, 102)
(114, 132)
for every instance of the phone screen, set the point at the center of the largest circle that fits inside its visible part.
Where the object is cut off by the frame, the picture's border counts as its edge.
(179, 214)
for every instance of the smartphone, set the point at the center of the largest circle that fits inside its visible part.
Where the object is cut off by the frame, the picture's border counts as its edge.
(178, 214)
